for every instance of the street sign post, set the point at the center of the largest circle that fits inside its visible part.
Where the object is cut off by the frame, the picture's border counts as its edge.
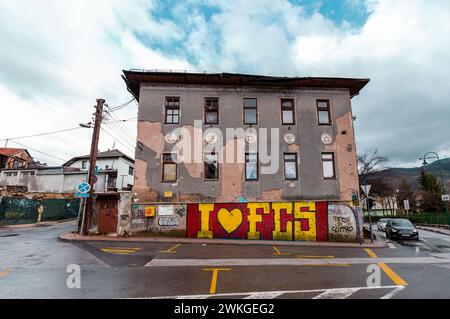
(83, 190)
(407, 207)
(366, 189)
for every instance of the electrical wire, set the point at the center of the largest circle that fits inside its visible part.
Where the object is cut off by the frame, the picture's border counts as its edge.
(40, 134)
(35, 150)
(115, 138)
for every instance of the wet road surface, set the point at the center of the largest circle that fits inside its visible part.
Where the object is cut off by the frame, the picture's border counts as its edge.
(33, 264)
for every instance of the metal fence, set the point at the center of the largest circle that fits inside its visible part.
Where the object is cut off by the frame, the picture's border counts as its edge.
(423, 218)
(19, 211)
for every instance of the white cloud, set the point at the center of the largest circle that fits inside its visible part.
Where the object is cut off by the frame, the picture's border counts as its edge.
(61, 57)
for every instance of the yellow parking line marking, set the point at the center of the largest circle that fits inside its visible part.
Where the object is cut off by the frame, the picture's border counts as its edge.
(171, 250)
(315, 257)
(120, 251)
(393, 275)
(370, 253)
(329, 265)
(5, 273)
(278, 252)
(396, 279)
(215, 275)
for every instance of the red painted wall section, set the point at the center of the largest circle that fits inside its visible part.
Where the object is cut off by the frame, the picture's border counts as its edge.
(302, 221)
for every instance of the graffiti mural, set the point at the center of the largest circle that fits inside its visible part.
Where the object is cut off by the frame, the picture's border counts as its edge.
(301, 221)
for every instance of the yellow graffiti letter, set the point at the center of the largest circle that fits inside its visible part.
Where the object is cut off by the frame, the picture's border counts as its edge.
(310, 215)
(254, 218)
(277, 233)
(205, 210)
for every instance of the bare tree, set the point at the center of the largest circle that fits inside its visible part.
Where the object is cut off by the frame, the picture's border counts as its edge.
(369, 164)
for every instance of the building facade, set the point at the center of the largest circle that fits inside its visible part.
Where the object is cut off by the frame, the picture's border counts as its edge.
(242, 156)
(115, 165)
(15, 158)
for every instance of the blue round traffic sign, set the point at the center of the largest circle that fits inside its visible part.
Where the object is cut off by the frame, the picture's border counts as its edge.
(84, 188)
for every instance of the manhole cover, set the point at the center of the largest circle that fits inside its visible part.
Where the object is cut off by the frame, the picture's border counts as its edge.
(10, 235)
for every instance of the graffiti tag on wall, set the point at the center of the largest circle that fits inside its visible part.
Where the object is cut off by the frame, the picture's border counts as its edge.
(342, 223)
(302, 221)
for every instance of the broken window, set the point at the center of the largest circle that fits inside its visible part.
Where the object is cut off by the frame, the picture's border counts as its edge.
(288, 111)
(250, 111)
(211, 111)
(290, 167)
(173, 110)
(169, 167)
(323, 112)
(211, 167)
(328, 166)
(251, 167)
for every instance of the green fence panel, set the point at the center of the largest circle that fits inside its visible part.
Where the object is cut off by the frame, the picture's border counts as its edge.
(17, 211)
(60, 209)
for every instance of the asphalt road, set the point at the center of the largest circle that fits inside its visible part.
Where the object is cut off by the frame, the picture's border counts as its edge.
(34, 263)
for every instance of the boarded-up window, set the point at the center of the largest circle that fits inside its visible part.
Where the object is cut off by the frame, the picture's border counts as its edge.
(290, 167)
(251, 167)
(250, 111)
(211, 110)
(169, 168)
(328, 166)
(288, 111)
(324, 112)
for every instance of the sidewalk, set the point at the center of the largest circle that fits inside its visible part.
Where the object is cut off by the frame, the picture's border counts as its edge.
(442, 231)
(71, 237)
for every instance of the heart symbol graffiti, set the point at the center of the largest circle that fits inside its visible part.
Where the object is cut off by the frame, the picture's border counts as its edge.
(230, 221)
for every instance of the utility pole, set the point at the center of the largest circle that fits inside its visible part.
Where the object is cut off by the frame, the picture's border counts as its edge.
(89, 202)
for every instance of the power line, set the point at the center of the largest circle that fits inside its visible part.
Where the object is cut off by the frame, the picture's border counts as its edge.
(126, 146)
(116, 108)
(40, 134)
(43, 153)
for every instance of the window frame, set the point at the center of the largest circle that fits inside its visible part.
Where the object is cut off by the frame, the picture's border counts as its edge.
(322, 109)
(205, 106)
(332, 160)
(170, 99)
(130, 169)
(283, 109)
(217, 168)
(84, 164)
(250, 108)
(285, 161)
(167, 162)
(247, 161)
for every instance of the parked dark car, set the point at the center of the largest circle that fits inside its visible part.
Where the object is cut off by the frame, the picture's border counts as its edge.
(401, 228)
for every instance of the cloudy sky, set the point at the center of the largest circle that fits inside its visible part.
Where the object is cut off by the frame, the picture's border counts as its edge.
(57, 57)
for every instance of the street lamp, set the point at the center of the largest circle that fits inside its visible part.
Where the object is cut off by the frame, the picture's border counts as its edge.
(433, 155)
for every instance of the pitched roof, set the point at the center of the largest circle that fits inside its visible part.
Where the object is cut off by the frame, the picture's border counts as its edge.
(134, 78)
(107, 154)
(11, 151)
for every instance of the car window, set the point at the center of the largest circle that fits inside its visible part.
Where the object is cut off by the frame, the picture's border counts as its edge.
(402, 223)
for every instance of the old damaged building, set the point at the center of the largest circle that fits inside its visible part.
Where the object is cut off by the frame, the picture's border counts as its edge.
(245, 157)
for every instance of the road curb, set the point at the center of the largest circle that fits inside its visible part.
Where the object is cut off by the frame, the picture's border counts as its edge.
(432, 230)
(37, 225)
(71, 237)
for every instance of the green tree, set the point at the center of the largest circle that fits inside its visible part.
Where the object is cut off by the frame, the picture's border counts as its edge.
(431, 193)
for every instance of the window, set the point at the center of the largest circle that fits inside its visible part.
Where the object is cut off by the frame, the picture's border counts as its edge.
(211, 111)
(173, 110)
(328, 166)
(250, 111)
(84, 164)
(131, 170)
(10, 174)
(323, 112)
(251, 167)
(28, 173)
(288, 111)
(169, 168)
(211, 167)
(290, 167)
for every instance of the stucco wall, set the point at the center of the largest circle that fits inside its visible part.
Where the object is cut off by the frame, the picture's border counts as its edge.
(232, 186)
